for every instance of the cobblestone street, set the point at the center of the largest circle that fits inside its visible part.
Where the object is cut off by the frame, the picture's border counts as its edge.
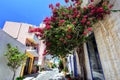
(52, 74)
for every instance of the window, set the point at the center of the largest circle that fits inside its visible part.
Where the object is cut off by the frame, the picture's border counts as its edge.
(95, 65)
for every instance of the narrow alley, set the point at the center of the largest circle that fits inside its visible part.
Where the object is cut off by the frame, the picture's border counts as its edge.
(52, 74)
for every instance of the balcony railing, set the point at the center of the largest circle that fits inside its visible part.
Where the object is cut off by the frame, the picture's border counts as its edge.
(31, 49)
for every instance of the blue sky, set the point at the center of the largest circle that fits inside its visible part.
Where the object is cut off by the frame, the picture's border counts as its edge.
(27, 11)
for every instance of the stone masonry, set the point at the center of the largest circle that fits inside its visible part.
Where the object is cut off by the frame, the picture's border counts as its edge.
(107, 34)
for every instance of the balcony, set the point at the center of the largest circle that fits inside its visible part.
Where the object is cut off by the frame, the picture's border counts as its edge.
(31, 51)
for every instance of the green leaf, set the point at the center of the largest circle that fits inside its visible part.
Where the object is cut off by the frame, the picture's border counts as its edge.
(105, 7)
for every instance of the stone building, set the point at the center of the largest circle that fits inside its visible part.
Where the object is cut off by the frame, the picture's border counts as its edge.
(102, 51)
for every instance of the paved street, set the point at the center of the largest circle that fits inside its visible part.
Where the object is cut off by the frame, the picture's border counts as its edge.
(48, 75)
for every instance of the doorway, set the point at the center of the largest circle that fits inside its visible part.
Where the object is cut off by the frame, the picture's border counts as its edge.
(93, 54)
(27, 66)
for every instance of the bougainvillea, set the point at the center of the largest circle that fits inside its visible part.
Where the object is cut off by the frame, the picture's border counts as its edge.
(68, 26)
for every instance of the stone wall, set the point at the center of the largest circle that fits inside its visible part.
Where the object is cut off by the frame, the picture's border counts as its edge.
(107, 34)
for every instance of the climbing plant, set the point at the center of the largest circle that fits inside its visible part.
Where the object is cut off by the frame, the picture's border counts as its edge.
(68, 25)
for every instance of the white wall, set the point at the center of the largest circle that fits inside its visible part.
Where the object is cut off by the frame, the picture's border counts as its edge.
(42, 47)
(18, 30)
(12, 28)
(69, 63)
(5, 72)
(23, 34)
(85, 2)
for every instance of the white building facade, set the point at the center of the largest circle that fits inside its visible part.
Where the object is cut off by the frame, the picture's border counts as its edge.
(20, 31)
(5, 72)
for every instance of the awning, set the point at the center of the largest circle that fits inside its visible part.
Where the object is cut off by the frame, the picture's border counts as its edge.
(33, 53)
(32, 41)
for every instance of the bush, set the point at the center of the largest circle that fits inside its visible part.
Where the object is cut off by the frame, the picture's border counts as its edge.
(19, 78)
(54, 66)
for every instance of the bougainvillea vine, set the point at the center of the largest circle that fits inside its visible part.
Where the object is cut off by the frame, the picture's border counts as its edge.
(68, 26)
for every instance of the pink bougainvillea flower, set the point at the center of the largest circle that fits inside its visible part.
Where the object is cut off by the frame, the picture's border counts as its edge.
(91, 6)
(62, 21)
(54, 10)
(84, 8)
(48, 27)
(74, 22)
(45, 52)
(51, 6)
(86, 16)
(69, 30)
(83, 20)
(110, 6)
(31, 30)
(46, 19)
(57, 4)
(65, 42)
(66, 1)
(84, 33)
(78, 2)
(39, 35)
(92, 12)
(48, 44)
(61, 39)
(39, 30)
(74, 16)
(78, 16)
(63, 13)
(92, 0)
(70, 7)
(100, 10)
(89, 29)
(88, 22)
(69, 36)
(53, 18)
(68, 16)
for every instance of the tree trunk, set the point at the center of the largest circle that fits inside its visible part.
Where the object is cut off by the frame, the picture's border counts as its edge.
(63, 61)
(13, 78)
(81, 55)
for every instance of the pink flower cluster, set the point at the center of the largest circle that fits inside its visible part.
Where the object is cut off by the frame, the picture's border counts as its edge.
(69, 23)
